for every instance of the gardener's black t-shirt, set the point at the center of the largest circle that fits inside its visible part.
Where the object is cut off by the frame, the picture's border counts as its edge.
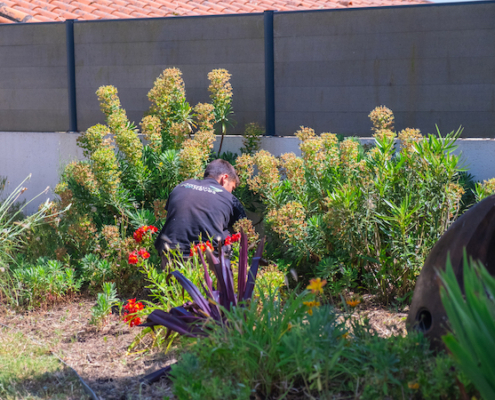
(198, 208)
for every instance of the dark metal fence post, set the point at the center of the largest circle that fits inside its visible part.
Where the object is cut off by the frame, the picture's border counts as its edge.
(269, 74)
(71, 74)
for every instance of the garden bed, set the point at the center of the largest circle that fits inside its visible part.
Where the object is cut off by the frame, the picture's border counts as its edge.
(101, 359)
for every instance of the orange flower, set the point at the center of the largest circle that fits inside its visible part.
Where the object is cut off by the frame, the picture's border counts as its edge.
(130, 314)
(316, 285)
(413, 385)
(310, 305)
(200, 246)
(353, 303)
(133, 259)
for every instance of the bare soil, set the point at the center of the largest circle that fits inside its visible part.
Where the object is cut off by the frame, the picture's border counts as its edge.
(101, 358)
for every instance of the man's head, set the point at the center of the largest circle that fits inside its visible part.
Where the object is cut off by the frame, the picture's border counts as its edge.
(224, 173)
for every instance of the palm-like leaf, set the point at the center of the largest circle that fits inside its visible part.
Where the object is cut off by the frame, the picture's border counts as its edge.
(472, 319)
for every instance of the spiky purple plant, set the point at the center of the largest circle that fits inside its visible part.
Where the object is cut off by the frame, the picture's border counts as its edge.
(189, 319)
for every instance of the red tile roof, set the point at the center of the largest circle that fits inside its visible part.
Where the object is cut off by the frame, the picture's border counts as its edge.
(60, 10)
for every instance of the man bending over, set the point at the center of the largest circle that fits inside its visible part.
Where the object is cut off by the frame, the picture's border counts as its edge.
(200, 208)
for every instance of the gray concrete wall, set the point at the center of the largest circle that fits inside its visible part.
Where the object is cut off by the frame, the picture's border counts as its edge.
(33, 78)
(44, 155)
(131, 54)
(430, 64)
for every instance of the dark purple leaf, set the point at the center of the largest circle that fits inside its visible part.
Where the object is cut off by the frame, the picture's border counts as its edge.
(229, 298)
(193, 292)
(160, 317)
(206, 274)
(253, 271)
(212, 261)
(243, 262)
(184, 315)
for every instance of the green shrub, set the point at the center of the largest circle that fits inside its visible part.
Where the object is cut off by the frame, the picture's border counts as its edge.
(485, 189)
(43, 283)
(366, 217)
(125, 183)
(15, 228)
(252, 138)
(95, 271)
(472, 319)
(13, 224)
(276, 348)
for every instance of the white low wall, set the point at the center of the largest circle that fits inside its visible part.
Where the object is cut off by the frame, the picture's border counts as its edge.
(44, 155)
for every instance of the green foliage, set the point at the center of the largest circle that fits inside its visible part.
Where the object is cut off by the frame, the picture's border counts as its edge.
(485, 189)
(271, 349)
(95, 271)
(124, 182)
(104, 303)
(252, 138)
(13, 223)
(359, 216)
(165, 293)
(221, 96)
(472, 318)
(43, 283)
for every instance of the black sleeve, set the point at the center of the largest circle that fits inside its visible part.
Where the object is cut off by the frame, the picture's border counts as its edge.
(237, 212)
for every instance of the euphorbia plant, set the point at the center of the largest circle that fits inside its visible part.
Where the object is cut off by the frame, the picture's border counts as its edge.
(189, 319)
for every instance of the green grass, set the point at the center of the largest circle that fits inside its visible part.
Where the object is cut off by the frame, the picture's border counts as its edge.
(29, 371)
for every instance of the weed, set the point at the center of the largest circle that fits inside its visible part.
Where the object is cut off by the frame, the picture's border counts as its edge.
(104, 303)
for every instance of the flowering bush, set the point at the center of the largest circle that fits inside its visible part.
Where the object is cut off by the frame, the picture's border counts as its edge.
(365, 216)
(131, 309)
(123, 184)
(200, 247)
(140, 232)
(135, 256)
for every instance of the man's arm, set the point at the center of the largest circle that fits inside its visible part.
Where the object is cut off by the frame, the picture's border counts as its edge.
(238, 212)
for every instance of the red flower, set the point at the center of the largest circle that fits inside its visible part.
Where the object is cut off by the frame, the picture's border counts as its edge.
(131, 309)
(200, 246)
(236, 237)
(227, 241)
(143, 253)
(138, 235)
(133, 259)
(140, 232)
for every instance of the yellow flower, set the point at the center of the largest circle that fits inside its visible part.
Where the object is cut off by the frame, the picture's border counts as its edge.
(289, 327)
(413, 385)
(353, 303)
(345, 335)
(316, 285)
(310, 305)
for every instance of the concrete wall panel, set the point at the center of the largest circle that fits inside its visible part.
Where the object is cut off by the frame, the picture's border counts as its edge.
(430, 65)
(33, 78)
(131, 54)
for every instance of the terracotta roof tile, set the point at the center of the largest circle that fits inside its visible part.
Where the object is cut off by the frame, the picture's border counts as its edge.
(58, 10)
